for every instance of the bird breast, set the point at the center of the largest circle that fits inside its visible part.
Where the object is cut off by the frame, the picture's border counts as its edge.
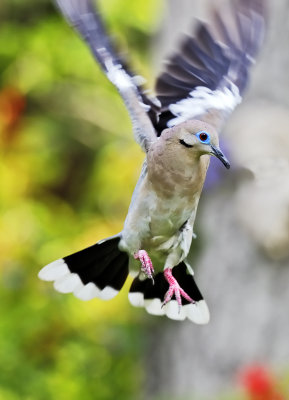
(174, 171)
(165, 198)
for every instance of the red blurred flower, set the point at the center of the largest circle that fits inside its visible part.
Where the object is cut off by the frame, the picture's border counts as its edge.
(259, 383)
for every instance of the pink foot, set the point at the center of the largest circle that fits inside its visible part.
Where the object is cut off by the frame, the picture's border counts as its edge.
(146, 263)
(174, 289)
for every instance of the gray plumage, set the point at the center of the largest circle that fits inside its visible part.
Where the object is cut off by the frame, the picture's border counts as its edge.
(178, 131)
(162, 212)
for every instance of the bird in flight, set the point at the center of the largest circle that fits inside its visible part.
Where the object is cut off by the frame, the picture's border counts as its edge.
(178, 131)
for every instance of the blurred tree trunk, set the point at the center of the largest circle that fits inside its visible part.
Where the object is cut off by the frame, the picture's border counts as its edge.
(243, 228)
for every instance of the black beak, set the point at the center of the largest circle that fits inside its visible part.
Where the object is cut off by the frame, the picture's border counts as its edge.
(217, 152)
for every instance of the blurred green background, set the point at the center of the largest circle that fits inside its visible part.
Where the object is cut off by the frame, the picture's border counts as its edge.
(68, 168)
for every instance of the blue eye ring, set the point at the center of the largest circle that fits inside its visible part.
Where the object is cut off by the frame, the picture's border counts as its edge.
(203, 137)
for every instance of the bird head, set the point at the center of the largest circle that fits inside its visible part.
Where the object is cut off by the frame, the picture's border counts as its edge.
(198, 138)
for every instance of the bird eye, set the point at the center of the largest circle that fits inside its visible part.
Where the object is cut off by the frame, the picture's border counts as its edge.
(204, 137)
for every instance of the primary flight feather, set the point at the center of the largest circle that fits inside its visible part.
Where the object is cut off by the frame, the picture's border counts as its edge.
(178, 131)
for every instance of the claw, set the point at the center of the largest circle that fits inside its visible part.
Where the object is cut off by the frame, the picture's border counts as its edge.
(146, 263)
(174, 289)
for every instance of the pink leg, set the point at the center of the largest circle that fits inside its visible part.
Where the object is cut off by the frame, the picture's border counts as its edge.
(146, 263)
(174, 289)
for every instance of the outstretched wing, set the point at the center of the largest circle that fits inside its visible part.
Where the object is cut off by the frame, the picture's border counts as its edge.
(86, 20)
(207, 77)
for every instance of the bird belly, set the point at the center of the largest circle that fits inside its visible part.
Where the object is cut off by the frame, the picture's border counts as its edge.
(157, 226)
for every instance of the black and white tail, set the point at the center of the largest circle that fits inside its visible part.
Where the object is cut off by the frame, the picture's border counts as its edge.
(101, 271)
(143, 293)
(97, 271)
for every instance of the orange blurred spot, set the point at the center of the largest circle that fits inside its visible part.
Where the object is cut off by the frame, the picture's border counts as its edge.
(12, 106)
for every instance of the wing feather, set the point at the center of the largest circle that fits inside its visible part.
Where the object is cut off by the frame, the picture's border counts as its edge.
(85, 18)
(209, 74)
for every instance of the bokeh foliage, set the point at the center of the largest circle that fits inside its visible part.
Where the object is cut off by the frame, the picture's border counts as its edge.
(67, 170)
(68, 167)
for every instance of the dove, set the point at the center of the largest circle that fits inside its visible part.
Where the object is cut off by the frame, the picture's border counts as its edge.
(178, 130)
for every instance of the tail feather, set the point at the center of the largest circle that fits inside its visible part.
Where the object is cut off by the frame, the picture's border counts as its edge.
(143, 293)
(97, 271)
(118, 279)
(93, 274)
(116, 276)
(102, 269)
